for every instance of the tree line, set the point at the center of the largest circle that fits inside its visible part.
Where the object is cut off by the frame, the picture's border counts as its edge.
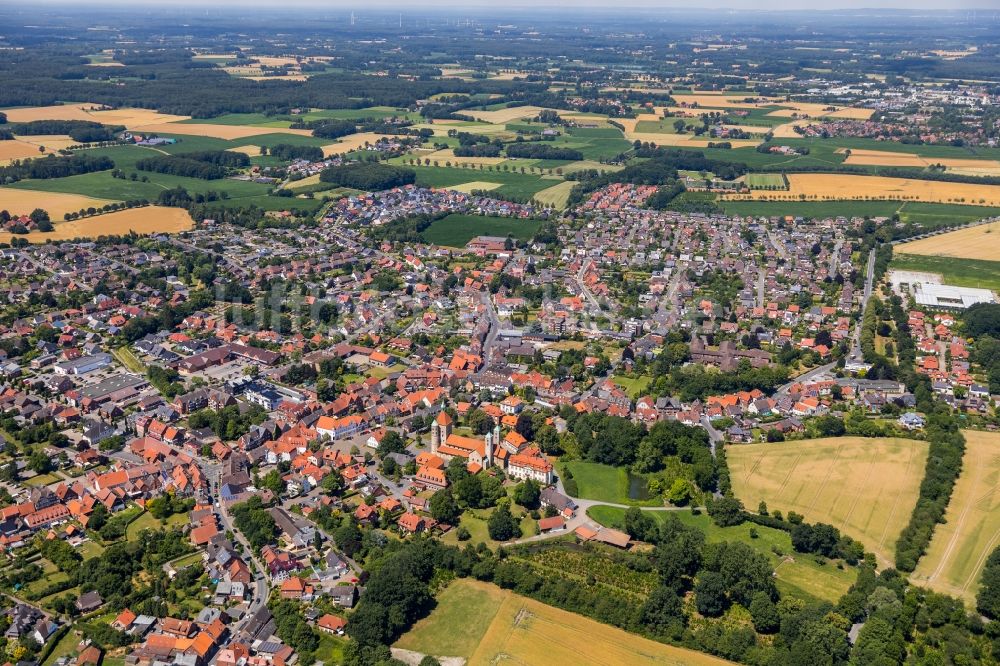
(207, 164)
(54, 167)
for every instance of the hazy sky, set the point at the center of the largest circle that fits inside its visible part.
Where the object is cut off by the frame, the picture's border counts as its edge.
(569, 4)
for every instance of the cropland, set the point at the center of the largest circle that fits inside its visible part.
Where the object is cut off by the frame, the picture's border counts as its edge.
(954, 561)
(498, 626)
(864, 487)
(144, 220)
(978, 242)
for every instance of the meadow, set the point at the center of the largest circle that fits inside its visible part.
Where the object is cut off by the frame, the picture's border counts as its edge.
(966, 273)
(145, 220)
(802, 576)
(958, 550)
(487, 625)
(979, 242)
(103, 185)
(604, 483)
(866, 488)
(458, 229)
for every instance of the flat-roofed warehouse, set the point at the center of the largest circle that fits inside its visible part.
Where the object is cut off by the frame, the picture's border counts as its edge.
(946, 296)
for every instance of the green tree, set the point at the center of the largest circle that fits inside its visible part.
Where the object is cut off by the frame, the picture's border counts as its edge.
(501, 525)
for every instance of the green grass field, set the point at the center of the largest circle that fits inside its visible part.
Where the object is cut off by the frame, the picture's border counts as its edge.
(634, 386)
(760, 181)
(962, 273)
(512, 184)
(103, 185)
(457, 606)
(605, 483)
(798, 575)
(458, 229)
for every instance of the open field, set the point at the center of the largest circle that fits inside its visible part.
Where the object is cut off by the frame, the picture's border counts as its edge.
(864, 487)
(498, 626)
(130, 118)
(979, 242)
(147, 220)
(557, 195)
(18, 149)
(22, 202)
(804, 186)
(448, 155)
(457, 229)
(966, 273)
(762, 180)
(898, 159)
(958, 550)
(615, 485)
(350, 143)
(798, 575)
(475, 185)
(228, 132)
(504, 115)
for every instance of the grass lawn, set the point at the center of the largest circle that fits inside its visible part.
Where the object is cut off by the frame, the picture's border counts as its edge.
(865, 487)
(128, 359)
(143, 522)
(960, 272)
(41, 480)
(799, 575)
(89, 549)
(467, 604)
(458, 229)
(331, 649)
(634, 386)
(66, 646)
(605, 483)
(475, 520)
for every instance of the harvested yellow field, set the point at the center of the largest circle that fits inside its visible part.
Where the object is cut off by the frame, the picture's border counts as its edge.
(51, 142)
(19, 150)
(448, 155)
(55, 112)
(305, 182)
(106, 63)
(22, 202)
(504, 115)
(866, 488)
(287, 77)
(979, 242)
(814, 110)
(147, 220)
(351, 142)
(556, 196)
(475, 185)
(668, 139)
(891, 158)
(249, 149)
(958, 550)
(229, 132)
(500, 627)
(832, 187)
(787, 131)
(716, 100)
(130, 118)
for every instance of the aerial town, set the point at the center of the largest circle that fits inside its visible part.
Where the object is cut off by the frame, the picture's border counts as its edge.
(694, 362)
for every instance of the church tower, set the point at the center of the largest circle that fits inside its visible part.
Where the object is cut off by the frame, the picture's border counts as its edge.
(440, 430)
